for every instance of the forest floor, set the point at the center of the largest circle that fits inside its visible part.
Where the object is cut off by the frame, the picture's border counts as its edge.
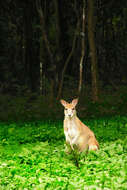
(32, 156)
(31, 106)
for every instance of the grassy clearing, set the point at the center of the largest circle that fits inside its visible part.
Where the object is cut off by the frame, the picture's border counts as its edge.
(32, 157)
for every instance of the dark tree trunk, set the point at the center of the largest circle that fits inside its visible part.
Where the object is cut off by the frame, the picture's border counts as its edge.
(93, 54)
(66, 64)
(59, 44)
(51, 72)
(29, 58)
(82, 48)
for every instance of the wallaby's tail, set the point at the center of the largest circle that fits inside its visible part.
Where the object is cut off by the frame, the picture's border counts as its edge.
(92, 143)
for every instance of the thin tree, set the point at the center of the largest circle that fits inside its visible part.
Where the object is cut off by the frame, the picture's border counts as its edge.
(47, 45)
(93, 54)
(44, 33)
(66, 62)
(82, 49)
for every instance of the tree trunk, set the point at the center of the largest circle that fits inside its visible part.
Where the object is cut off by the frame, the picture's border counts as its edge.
(44, 34)
(58, 28)
(40, 78)
(82, 49)
(59, 44)
(67, 61)
(65, 65)
(93, 55)
(47, 44)
(29, 61)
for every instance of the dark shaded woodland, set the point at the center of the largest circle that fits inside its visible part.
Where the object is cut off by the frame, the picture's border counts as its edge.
(61, 48)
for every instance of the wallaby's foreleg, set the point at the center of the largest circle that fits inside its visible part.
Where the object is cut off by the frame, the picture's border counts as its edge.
(68, 148)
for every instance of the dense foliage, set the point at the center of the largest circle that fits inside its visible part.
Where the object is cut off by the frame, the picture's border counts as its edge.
(32, 157)
(23, 40)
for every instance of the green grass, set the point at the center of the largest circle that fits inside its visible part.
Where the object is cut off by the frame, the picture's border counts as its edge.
(32, 157)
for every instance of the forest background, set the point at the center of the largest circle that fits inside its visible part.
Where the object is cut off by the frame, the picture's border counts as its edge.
(62, 49)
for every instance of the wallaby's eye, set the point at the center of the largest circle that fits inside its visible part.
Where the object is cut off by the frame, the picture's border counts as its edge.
(65, 108)
(73, 109)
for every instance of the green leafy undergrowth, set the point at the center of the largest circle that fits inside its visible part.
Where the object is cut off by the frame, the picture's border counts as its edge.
(32, 156)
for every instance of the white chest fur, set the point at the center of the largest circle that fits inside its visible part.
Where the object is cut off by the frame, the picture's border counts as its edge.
(72, 131)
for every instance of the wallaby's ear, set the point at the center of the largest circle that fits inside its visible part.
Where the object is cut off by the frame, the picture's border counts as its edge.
(74, 102)
(63, 102)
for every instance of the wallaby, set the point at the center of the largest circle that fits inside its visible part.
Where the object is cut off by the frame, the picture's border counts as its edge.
(76, 133)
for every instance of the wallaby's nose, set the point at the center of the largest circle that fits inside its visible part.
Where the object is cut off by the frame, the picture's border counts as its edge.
(69, 115)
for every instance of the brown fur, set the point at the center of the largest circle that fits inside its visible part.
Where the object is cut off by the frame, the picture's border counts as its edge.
(76, 132)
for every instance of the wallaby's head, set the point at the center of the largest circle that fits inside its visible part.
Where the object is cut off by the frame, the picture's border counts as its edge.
(69, 110)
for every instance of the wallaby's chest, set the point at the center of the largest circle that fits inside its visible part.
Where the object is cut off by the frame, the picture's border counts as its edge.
(72, 128)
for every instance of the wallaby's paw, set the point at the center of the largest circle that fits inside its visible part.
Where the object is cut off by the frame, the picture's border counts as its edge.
(68, 149)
